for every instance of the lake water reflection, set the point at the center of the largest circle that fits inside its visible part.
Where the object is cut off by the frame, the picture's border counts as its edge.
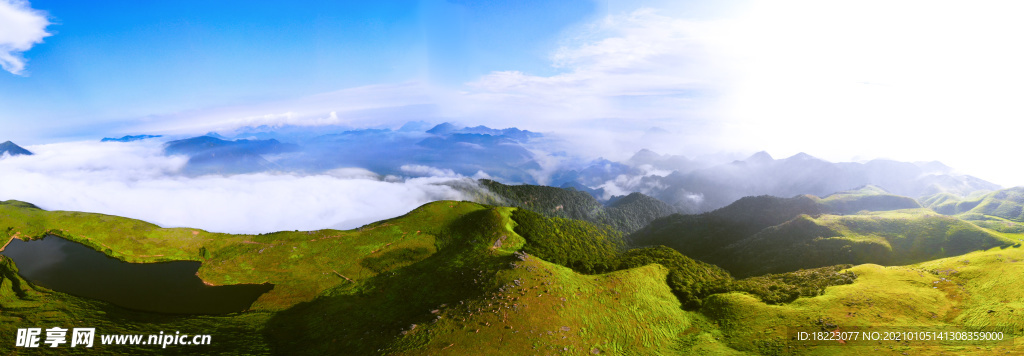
(167, 287)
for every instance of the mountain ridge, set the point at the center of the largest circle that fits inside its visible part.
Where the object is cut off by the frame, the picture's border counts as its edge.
(12, 149)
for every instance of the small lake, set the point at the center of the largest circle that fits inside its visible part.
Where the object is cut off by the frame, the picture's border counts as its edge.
(165, 287)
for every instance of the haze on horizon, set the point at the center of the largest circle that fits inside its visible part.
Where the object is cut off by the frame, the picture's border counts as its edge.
(840, 80)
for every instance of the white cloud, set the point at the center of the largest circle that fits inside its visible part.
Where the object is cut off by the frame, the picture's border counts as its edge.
(636, 66)
(624, 184)
(622, 75)
(135, 180)
(352, 172)
(908, 80)
(21, 27)
(421, 170)
(372, 105)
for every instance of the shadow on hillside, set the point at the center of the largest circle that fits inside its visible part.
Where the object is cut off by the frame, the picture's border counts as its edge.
(367, 318)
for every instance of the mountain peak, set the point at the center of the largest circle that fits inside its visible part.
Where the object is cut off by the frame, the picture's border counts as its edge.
(216, 135)
(443, 129)
(645, 156)
(415, 126)
(801, 156)
(13, 149)
(934, 167)
(760, 157)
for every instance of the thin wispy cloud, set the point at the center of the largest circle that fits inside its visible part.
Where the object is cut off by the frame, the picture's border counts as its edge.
(21, 27)
(632, 70)
(619, 77)
(355, 107)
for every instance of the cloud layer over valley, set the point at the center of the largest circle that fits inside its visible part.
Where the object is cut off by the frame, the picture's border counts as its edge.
(136, 180)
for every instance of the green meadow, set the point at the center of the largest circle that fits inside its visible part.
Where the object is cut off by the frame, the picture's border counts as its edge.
(464, 278)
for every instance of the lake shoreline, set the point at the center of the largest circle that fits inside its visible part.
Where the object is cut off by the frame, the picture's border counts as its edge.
(68, 266)
(8, 242)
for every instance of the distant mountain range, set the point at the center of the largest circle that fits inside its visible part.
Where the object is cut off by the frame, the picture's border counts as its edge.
(213, 155)
(515, 156)
(694, 189)
(409, 151)
(10, 148)
(128, 138)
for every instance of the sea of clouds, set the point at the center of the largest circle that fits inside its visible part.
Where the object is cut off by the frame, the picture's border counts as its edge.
(137, 180)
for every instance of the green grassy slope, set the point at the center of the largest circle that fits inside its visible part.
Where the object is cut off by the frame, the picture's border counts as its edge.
(887, 238)
(1007, 204)
(758, 235)
(451, 278)
(480, 296)
(462, 269)
(1001, 212)
(948, 204)
(973, 290)
(702, 235)
(301, 265)
(593, 249)
(23, 305)
(867, 198)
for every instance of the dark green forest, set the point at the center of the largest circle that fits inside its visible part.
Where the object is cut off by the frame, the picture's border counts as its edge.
(593, 249)
(627, 213)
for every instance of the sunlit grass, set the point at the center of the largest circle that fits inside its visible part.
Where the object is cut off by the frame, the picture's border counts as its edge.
(442, 268)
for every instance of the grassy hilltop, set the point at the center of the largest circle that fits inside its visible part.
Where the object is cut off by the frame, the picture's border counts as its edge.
(463, 278)
(1001, 210)
(757, 235)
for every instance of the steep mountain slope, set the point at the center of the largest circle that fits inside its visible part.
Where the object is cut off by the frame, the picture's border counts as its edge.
(634, 211)
(1006, 204)
(627, 214)
(870, 198)
(700, 236)
(887, 238)
(10, 148)
(758, 235)
(590, 249)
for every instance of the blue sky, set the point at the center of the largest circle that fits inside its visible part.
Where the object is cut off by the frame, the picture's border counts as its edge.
(187, 67)
(111, 61)
(911, 80)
